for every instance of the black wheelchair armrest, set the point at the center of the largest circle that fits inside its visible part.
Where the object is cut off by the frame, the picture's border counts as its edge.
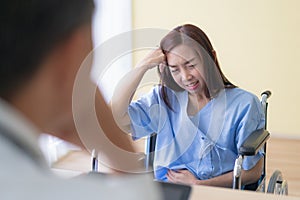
(254, 142)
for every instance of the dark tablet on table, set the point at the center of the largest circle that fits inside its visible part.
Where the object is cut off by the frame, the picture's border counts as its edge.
(172, 191)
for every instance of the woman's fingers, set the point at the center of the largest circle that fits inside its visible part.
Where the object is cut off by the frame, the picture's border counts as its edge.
(174, 176)
(153, 59)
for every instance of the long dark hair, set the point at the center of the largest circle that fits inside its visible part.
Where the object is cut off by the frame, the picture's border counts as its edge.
(194, 37)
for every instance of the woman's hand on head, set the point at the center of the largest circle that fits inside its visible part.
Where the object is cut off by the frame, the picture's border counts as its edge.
(153, 59)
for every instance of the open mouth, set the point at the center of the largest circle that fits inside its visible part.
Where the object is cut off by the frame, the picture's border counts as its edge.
(193, 85)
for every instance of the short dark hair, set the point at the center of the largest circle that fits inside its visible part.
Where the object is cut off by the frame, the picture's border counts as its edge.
(29, 30)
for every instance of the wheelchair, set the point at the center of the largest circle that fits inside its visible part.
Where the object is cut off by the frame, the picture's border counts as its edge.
(251, 146)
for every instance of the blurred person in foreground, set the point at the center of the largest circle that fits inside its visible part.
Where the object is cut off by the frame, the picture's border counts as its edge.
(43, 44)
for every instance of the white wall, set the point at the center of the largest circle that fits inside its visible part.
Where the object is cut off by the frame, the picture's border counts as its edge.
(112, 18)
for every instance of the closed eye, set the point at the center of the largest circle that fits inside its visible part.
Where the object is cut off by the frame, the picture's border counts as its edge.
(191, 66)
(173, 69)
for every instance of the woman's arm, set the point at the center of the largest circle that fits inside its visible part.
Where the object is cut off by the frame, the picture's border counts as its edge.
(109, 126)
(225, 180)
(128, 85)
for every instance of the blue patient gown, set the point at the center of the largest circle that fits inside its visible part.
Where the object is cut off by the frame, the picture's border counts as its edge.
(205, 144)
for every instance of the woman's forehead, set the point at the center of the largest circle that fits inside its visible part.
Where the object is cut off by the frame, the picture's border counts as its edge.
(181, 54)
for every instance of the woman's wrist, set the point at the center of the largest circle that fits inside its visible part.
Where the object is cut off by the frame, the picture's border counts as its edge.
(142, 68)
(197, 182)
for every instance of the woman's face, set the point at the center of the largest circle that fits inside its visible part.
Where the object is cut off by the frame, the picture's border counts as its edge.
(186, 68)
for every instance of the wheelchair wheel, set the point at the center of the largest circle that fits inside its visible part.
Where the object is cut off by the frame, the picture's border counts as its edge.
(277, 185)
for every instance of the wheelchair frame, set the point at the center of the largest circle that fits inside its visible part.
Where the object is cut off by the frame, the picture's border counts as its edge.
(250, 147)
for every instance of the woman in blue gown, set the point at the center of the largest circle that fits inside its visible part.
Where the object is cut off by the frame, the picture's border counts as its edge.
(200, 117)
